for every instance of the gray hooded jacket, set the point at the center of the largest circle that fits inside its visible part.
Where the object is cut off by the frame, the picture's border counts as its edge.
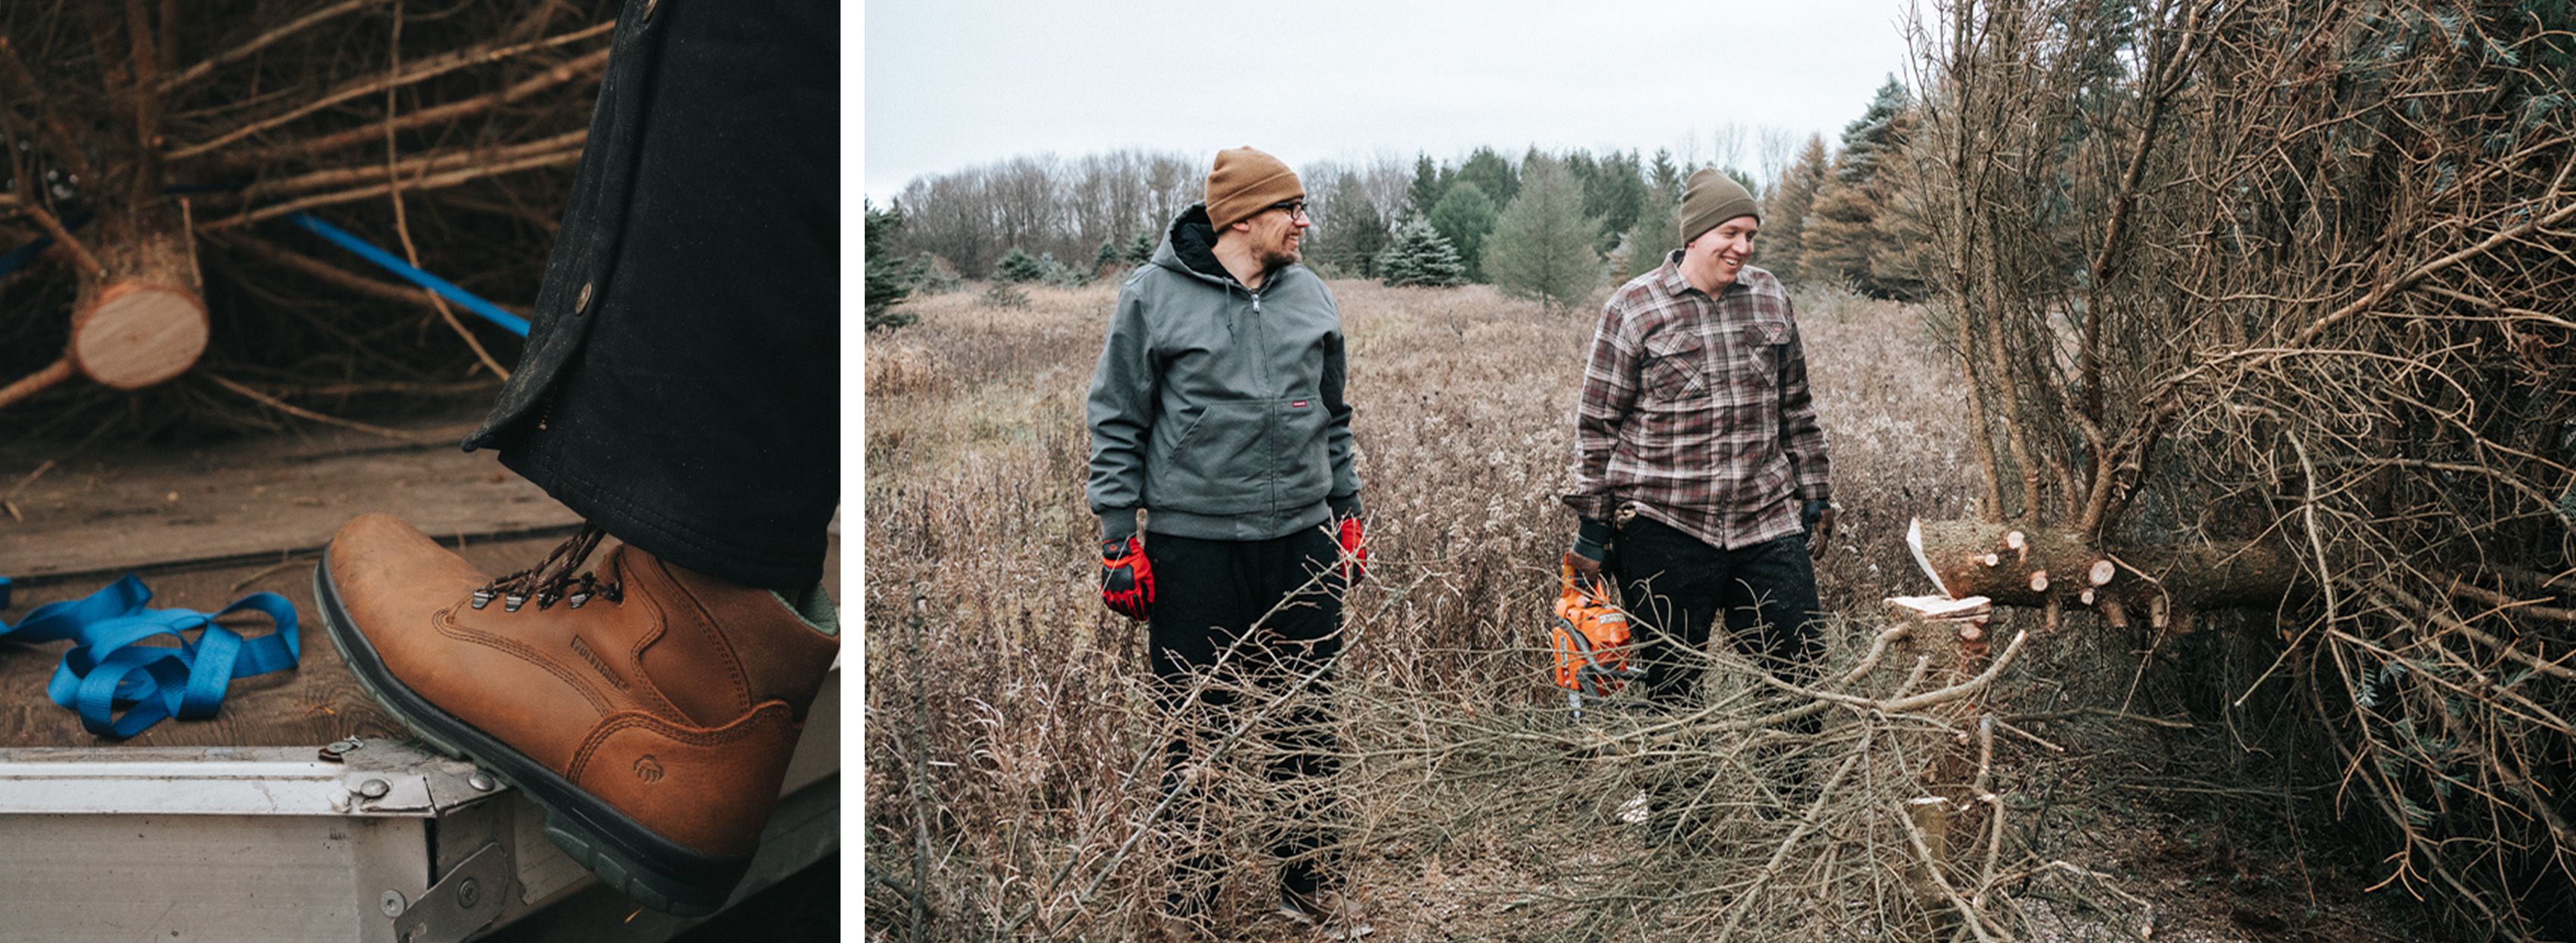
(1218, 407)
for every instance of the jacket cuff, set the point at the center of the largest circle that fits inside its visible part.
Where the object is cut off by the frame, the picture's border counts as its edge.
(1118, 525)
(1590, 537)
(1344, 506)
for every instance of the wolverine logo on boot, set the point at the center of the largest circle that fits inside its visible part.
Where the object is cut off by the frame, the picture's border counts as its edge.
(598, 663)
(647, 769)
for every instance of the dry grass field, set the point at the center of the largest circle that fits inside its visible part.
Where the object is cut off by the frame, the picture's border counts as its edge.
(1012, 761)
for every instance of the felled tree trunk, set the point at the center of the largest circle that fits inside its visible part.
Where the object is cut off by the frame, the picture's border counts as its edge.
(140, 319)
(1952, 813)
(2053, 568)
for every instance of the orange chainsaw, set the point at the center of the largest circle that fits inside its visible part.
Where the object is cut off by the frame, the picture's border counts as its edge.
(1590, 636)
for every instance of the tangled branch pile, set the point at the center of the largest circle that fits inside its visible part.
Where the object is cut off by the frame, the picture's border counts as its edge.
(166, 145)
(2279, 289)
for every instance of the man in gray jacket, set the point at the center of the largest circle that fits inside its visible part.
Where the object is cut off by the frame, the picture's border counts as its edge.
(1217, 409)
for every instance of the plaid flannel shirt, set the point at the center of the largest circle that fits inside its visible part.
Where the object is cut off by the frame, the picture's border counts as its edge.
(1696, 410)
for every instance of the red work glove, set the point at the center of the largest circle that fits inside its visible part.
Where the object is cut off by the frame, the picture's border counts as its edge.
(1354, 551)
(1126, 577)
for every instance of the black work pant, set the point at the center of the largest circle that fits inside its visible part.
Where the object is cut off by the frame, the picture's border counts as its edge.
(1283, 594)
(681, 383)
(1675, 586)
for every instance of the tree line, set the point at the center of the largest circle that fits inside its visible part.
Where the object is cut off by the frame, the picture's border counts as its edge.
(1546, 225)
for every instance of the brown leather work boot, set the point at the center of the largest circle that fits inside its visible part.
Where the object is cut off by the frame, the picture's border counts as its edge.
(649, 708)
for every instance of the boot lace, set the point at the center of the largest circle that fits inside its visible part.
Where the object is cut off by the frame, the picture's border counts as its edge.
(553, 580)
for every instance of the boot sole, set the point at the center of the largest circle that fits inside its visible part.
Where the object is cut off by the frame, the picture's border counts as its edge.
(625, 855)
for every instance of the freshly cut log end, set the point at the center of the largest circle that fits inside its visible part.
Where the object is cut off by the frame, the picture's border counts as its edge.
(136, 333)
(2101, 572)
(2016, 540)
(2085, 597)
(2039, 581)
(1993, 559)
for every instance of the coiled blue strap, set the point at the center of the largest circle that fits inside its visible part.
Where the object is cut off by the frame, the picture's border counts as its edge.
(107, 671)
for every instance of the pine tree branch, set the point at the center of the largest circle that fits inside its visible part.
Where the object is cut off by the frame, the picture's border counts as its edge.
(586, 67)
(453, 178)
(436, 161)
(425, 70)
(263, 41)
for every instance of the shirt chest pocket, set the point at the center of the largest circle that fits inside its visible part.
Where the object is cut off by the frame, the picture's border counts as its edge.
(1675, 368)
(1765, 343)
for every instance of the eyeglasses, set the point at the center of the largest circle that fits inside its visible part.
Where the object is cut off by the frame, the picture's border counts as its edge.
(1294, 208)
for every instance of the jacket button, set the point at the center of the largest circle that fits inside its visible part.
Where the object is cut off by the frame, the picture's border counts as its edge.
(581, 302)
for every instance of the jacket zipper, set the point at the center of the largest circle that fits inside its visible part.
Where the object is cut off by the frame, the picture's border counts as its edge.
(1270, 420)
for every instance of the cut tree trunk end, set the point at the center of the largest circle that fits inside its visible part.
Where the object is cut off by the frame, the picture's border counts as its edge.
(1964, 559)
(134, 333)
(140, 316)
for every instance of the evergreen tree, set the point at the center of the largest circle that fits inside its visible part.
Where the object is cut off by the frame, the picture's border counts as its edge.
(1665, 176)
(1784, 215)
(1492, 174)
(1836, 238)
(1429, 185)
(1352, 234)
(1463, 217)
(886, 287)
(1616, 193)
(1578, 162)
(1657, 231)
(1656, 234)
(925, 277)
(1542, 247)
(1107, 258)
(1419, 255)
(1141, 249)
(1019, 266)
(1842, 238)
(1876, 132)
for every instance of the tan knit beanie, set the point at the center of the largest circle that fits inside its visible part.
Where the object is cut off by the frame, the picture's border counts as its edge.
(1712, 198)
(1245, 182)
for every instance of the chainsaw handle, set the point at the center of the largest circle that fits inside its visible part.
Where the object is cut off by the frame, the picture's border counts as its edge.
(1595, 589)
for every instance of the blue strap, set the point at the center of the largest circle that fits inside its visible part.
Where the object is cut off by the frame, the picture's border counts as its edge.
(389, 262)
(106, 671)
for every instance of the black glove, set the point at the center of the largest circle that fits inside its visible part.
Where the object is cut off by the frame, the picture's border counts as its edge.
(1818, 517)
(1591, 549)
(1126, 577)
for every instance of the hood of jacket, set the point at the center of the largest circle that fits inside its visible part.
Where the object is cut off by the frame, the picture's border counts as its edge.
(1189, 246)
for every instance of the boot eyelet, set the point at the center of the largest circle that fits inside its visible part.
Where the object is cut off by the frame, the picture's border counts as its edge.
(512, 602)
(482, 598)
(576, 600)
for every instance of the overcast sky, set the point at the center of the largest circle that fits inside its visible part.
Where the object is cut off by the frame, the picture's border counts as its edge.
(954, 83)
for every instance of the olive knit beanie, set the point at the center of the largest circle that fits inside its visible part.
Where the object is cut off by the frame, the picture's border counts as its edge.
(1712, 198)
(1244, 183)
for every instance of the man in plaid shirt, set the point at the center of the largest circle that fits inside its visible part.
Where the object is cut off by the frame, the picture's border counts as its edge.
(1697, 455)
